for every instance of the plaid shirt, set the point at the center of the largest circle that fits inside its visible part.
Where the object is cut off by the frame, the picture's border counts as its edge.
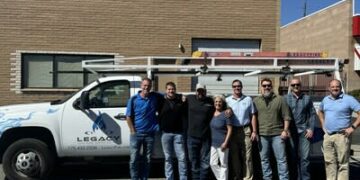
(303, 111)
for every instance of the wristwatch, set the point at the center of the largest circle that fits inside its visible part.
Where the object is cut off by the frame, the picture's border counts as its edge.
(353, 126)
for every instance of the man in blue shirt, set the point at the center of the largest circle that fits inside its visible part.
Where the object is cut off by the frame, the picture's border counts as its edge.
(142, 121)
(335, 114)
(244, 132)
(304, 116)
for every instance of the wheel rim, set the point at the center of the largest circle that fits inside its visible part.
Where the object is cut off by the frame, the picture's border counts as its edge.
(28, 163)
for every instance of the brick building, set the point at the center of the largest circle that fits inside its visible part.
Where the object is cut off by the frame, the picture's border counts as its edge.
(328, 30)
(43, 42)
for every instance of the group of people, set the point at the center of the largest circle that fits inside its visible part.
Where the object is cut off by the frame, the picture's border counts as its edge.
(218, 133)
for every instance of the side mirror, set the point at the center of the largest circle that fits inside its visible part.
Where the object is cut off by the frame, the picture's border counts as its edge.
(84, 100)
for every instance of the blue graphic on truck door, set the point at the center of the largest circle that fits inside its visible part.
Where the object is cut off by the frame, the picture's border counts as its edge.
(99, 123)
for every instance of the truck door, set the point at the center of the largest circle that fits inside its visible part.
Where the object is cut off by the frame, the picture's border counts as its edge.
(95, 131)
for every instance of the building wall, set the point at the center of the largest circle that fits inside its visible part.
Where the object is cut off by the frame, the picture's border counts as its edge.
(127, 27)
(330, 31)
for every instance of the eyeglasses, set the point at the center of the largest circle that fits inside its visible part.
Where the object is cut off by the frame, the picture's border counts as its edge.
(266, 85)
(293, 85)
(235, 86)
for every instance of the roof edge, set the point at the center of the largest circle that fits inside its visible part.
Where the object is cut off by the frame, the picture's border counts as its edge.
(314, 13)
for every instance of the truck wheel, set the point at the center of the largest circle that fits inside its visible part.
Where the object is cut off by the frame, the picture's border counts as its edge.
(28, 159)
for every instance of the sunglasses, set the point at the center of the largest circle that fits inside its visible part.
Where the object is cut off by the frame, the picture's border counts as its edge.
(235, 86)
(293, 85)
(266, 85)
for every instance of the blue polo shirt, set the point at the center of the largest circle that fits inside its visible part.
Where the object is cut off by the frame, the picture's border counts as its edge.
(338, 111)
(243, 109)
(143, 111)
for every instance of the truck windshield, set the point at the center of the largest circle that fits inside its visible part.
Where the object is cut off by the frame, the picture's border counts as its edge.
(60, 101)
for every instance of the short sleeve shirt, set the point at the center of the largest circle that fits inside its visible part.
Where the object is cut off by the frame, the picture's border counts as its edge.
(243, 109)
(338, 111)
(143, 111)
(218, 126)
(200, 113)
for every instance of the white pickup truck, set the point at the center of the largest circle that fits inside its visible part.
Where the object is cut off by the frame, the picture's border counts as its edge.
(90, 123)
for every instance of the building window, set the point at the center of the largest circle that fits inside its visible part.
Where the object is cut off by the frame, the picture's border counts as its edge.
(56, 70)
(225, 45)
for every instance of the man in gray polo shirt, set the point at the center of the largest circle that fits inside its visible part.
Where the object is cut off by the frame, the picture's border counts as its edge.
(244, 132)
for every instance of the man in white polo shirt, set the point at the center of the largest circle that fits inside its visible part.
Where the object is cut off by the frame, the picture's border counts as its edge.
(244, 132)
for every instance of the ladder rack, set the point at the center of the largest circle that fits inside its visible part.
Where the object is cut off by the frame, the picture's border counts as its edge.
(248, 66)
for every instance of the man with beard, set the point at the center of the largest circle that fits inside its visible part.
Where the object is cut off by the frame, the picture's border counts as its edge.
(335, 113)
(273, 117)
(200, 112)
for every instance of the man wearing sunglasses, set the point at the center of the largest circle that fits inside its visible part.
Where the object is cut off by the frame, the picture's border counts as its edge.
(244, 132)
(274, 119)
(304, 116)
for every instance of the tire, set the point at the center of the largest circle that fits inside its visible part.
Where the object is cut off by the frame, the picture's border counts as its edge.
(28, 159)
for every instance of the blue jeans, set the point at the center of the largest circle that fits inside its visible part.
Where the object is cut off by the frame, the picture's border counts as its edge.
(199, 155)
(140, 141)
(278, 146)
(173, 144)
(300, 151)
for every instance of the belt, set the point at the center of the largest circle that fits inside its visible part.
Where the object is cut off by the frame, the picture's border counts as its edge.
(337, 132)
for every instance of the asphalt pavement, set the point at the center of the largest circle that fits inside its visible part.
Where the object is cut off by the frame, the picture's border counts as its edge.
(121, 170)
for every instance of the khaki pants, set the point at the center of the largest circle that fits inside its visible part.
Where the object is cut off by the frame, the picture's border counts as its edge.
(336, 156)
(240, 153)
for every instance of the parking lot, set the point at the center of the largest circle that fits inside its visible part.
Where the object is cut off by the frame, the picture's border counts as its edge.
(82, 172)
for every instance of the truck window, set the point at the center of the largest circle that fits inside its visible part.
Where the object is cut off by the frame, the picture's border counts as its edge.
(110, 94)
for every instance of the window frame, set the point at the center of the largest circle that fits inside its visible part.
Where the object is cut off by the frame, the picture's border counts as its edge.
(55, 72)
(113, 84)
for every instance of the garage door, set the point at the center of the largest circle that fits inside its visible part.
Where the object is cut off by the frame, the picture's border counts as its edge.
(225, 45)
(251, 86)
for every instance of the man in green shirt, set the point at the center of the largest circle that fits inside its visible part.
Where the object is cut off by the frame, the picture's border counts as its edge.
(273, 123)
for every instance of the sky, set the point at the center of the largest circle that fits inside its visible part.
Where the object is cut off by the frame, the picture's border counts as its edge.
(292, 10)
